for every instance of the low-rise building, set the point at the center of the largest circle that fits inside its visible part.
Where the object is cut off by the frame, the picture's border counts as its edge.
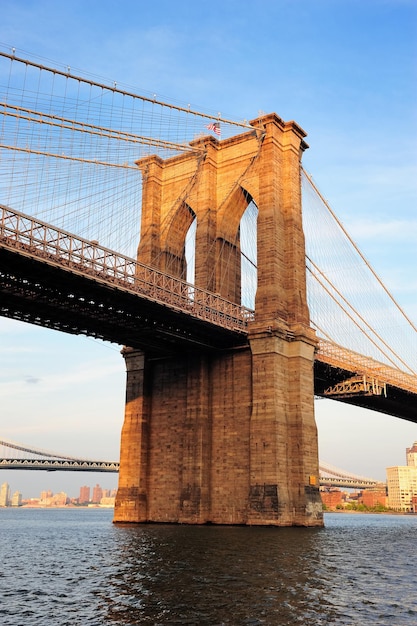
(107, 501)
(331, 498)
(372, 498)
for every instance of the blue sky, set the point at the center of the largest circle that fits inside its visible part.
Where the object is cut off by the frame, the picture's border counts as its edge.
(345, 70)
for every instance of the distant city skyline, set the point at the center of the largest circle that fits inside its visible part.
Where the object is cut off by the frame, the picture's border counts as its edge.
(401, 494)
(34, 496)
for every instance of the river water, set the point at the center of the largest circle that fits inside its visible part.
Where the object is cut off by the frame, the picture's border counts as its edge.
(73, 567)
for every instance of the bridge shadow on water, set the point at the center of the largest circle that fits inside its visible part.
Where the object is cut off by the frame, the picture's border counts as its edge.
(251, 576)
(211, 575)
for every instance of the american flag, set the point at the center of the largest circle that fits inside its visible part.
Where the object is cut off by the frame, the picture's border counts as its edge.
(215, 127)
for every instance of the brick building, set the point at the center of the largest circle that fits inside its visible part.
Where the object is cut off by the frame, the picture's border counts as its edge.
(97, 494)
(331, 498)
(84, 497)
(374, 497)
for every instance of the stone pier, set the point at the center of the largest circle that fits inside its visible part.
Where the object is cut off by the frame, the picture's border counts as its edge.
(226, 436)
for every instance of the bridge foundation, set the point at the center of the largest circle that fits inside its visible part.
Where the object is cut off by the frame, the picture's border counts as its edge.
(227, 436)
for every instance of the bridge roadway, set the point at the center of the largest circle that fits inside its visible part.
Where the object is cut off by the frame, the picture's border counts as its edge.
(53, 279)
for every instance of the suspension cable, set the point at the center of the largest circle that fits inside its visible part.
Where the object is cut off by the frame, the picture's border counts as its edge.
(310, 180)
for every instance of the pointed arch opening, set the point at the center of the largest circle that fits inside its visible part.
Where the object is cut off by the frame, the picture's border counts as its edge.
(174, 242)
(190, 239)
(236, 258)
(249, 255)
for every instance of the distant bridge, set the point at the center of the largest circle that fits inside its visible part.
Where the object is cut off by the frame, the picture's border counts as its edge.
(334, 477)
(52, 465)
(14, 456)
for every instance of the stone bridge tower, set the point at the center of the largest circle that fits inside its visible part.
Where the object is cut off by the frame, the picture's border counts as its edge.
(227, 437)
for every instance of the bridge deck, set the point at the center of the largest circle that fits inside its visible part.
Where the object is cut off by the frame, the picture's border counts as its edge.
(53, 279)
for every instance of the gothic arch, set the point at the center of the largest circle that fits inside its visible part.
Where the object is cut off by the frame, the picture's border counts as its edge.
(173, 237)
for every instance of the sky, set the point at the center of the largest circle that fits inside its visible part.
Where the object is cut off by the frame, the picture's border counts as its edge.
(344, 70)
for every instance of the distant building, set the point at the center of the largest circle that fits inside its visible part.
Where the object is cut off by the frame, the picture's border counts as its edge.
(59, 499)
(32, 502)
(331, 498)
(107, 501)
(46, 496)
(5, 495)
(402, 483)
(374, 497)
(402, 487)
(17, 499)
(84, 495)
(412, 455)
(97, 494)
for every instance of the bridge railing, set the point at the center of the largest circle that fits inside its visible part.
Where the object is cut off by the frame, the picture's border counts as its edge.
(337, 356)
(58, 247)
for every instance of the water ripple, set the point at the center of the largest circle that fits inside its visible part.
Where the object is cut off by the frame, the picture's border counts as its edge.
(75, 568)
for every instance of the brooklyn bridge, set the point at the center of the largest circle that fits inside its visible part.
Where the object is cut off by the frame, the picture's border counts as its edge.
(202, 246)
